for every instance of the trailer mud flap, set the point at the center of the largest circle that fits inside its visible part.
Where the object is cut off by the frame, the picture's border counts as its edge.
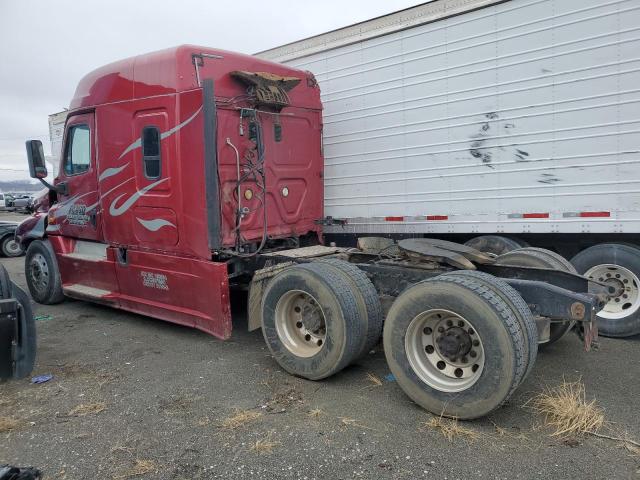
(186, 291)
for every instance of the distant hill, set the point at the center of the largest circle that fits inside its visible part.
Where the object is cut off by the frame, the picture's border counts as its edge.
(20, 186)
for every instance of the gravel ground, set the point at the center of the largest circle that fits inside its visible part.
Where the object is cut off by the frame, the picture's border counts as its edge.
(134, 397)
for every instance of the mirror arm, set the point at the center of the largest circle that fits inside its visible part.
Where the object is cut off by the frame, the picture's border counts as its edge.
(60, 188)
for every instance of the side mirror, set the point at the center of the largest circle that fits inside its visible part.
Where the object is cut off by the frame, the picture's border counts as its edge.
(35, 155)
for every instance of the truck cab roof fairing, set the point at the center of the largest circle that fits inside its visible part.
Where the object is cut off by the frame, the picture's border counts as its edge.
(172, 71)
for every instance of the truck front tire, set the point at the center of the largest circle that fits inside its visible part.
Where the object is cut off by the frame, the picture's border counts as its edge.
(618, 265)
(455, 347)
(311, 321)
(43, 274)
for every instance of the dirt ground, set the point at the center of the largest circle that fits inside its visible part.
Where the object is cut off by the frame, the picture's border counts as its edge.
(133, 397)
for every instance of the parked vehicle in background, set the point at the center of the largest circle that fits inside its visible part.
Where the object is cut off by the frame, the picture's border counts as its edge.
(3, 201)
(19, 203)
(503, 124)
(9, 247)
(210, 176)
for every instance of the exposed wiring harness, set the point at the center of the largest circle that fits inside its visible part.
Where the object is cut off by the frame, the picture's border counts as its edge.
(251, 170)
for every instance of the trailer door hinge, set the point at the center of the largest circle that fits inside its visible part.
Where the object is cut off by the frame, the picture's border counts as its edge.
(331, 221)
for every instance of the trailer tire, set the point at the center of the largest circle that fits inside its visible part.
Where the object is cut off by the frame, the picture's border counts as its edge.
(495, 244)
(416, 318)
(367, 298)
(327, 311)
(43, 274)
(606, 261)
(541, 258)
(517, 304)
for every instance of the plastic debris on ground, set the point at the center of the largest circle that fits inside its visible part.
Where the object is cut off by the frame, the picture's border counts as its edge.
(42, 378)
(390, 378)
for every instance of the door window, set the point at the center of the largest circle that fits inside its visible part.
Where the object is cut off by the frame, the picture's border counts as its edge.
(78, 152)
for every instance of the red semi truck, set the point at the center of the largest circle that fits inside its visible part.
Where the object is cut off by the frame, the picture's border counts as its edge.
(188, 171)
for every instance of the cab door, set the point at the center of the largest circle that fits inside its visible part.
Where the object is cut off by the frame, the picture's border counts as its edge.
(77, 213)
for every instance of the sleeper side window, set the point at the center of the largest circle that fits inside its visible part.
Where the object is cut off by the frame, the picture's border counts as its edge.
(151, 152)
(78, 151)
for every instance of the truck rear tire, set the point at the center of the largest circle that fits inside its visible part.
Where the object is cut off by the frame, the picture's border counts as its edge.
(455, 346)
(311, 321)
(43, 274)
(541, 258)
(619, 265)
(495, 244)
(517, 304)
(367, 298)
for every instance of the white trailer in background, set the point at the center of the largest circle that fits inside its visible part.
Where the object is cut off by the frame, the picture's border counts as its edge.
(499, 122)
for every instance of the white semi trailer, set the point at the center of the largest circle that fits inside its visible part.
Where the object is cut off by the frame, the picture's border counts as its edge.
(497, 123)
(501, 123)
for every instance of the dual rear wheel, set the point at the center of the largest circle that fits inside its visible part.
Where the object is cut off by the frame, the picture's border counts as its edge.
(458, 344)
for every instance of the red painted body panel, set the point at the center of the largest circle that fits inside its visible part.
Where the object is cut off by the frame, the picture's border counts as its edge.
(161, 223)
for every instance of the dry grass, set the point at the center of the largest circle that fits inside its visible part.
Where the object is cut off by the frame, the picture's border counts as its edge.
(87, 409)
(375, 381)
(140, 467)
(7, 424)
(450, 429)
(240, 418)
(264, 445)
(567, 411)
(315, 413)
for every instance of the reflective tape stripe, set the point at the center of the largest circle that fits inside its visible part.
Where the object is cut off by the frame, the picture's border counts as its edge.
(528, 215)
(586, 214)
(393, 219)
(437, 217)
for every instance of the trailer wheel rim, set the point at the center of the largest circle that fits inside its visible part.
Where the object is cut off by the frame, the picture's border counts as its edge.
(13, 247)
(300, 323)
(444, 350)
(39, 272)
(627, 284)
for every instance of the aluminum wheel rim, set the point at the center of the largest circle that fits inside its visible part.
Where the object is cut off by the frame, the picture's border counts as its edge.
(300, 323)
(13, 247)
(39, 272)
(434, 364)
(626, 282)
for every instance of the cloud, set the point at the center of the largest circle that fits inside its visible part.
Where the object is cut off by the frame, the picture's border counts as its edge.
(47, 46)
